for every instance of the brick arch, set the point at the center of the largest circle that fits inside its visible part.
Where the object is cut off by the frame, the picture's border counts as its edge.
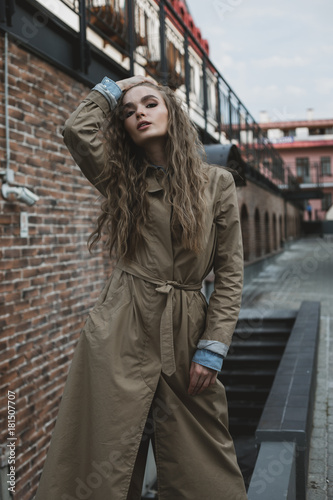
(244, 215)
(281, 238)
(290, 227)
(267, 234)
(257, 233)
(274, 228)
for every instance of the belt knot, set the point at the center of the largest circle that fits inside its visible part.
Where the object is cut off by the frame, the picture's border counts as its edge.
(166, 326)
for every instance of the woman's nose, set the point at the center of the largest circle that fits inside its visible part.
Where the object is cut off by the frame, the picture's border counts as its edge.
(140, 112)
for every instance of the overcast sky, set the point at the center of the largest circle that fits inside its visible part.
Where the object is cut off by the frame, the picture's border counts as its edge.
(277, 55)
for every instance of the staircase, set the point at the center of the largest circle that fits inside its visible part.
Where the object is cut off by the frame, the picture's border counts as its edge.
(248, 373)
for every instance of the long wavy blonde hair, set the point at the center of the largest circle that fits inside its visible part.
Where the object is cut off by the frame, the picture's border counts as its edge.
(125, 208)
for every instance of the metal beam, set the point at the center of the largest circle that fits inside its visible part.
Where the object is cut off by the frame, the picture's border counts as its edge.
(40, 32)
(164, 66)
(83, 47)
(205, 95)
(313, 194)
(187, 70)
(131, 34)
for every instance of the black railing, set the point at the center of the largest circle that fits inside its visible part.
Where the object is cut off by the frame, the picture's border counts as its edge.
(311, 173)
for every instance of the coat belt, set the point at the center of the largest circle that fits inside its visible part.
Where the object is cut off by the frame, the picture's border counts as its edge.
(167, 288)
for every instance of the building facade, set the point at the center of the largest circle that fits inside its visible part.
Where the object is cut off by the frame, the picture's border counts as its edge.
(306, 147)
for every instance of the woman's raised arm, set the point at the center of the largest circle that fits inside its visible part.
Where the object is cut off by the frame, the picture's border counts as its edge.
(83, 138)
(82, 131)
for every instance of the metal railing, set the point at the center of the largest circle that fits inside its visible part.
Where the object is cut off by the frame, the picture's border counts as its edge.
(160, 40)
(311, 173)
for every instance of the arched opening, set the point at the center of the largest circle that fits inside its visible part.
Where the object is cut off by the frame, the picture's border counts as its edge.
(267, 234)
(257, 233)
(281, 240)
(274, 233)
(245, 232)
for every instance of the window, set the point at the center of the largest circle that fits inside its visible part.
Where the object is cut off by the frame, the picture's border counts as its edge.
(303, 169)
(326, 202)
(316, 131)
(289, 132)
(325, 165)
(201, 91)
(192, 79)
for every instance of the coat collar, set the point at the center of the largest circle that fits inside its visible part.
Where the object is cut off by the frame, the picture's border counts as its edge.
(152, 179)
(153, 185)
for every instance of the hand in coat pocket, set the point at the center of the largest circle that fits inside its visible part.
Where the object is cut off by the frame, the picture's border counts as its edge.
(201, 377)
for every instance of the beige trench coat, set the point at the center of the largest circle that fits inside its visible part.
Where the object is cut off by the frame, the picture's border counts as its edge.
(146, 324)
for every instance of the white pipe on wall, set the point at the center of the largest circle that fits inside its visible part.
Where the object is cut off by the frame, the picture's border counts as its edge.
(8, 172)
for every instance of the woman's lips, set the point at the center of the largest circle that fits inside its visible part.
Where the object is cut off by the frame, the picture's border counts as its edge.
(143, 125)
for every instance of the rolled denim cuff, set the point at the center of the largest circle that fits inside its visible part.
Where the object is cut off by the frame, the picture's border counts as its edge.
(209, 359)
(214, 346)
(110, 90)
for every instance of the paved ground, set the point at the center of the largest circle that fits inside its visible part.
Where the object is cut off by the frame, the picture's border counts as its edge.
(304, 271)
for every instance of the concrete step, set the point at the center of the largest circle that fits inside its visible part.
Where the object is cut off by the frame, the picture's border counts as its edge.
(245, 410)
(247, 393)
(263, 332)
(237, 426)
(281, 315)
(248, 347)
(255, 361)
(260, 378)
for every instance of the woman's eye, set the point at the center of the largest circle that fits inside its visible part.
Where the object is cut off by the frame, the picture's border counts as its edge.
(128, 114)
(152, 105)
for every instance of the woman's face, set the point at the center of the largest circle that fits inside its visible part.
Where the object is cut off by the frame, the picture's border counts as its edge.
(145, 116)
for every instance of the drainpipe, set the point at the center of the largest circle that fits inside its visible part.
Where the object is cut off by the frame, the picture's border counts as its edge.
(8, 173)
(21, 193)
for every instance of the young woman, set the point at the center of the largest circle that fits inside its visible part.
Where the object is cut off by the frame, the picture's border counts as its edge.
(148, 357)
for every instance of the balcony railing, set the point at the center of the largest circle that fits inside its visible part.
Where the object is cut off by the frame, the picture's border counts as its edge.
(109, 19)
(157, 37)
(311, 174)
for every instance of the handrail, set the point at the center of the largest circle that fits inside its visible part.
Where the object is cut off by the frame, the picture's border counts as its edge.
(287, 416)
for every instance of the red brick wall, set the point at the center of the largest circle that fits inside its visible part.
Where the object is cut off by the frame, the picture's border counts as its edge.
(48, 280)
